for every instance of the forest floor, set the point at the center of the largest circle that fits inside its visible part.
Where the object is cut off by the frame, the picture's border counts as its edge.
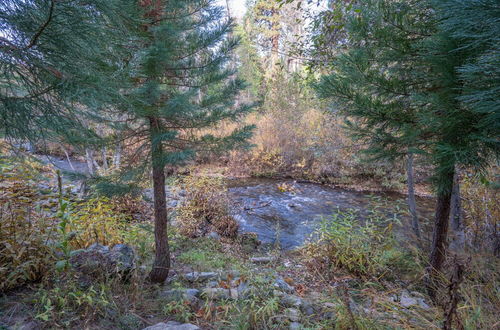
(369, 281)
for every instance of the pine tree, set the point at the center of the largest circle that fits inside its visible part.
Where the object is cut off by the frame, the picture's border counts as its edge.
(183, 86)
(59, 63)
(409, 78)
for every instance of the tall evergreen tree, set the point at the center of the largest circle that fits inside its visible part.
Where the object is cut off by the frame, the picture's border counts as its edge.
(183, 86)
(404, 78)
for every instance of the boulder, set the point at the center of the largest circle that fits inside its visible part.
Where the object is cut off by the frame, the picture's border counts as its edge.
(172, 325)
(295, 326)
(262, 260)
(190, 295)
(292, 314)
(200, 276)
(280, 284)
(216, 293)
(289, 300)
(99, 261)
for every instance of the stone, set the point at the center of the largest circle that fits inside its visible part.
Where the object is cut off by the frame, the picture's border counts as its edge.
(200, 276)
(172, 325)
(295, 326)
(289, 300)
(280, 284)
(261, 260)
(216, 293)
(407, 301)
(292, 314)
(307, 308)
(214, 235)
(212, 284)
(190, 295)
(243, 290)
(99, 261)
(123, 257)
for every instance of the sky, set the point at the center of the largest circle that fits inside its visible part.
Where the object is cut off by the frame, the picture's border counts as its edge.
(236, 7)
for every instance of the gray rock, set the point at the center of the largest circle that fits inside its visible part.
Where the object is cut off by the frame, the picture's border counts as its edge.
(98, 261)
(295, 326)
(407, 301)
(289, 300)
(123, 257)
(307, 308)
(190, 295)
(214, 235)
(243, 290)
(200, 276)
(172, 326)
(216, 293)
(262, 260)
(212, 284)
(280, 284)
(292, 314)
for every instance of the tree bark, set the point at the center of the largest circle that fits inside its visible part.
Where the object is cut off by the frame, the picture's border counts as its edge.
(118, 156)
(104, 154)
(90, 160)
(412, 205)
(161, 265)
(456, 214)
(440, 235)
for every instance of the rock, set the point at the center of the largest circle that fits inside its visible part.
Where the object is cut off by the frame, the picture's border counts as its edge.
(190, 295)
(307, 308)
(292, 314)
(214, 235)
(289, 300)
(295, 326)
(243, 290)
(212, 284)
(216, 293)
(123, 257)
(172, 326)
(98, 261)
(261, 260)
(283, 286)
(200, 276)
(407, 301)
(423, 304)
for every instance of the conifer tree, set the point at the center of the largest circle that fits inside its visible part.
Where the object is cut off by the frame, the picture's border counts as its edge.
(183, 86)
(409, 77)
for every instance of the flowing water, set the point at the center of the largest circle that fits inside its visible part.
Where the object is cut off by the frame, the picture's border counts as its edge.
(289, 216)
(287, 212)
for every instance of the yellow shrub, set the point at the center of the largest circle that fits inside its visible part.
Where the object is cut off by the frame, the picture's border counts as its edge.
(95, 221)
(205, 208)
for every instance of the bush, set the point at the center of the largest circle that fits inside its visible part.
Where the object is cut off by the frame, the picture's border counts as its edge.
(205, 208)
(343, 242)
(96, 221)
(24, 231)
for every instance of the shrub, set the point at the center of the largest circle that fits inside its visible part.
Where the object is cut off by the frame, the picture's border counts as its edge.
(344, 242)
(24, 231)
(95, 221)
(205, 208)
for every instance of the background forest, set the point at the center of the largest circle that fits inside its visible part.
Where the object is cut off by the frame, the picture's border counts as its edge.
(249, 165)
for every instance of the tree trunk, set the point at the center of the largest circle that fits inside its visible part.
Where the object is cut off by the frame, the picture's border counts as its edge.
(440, 235)
(118, 156)
(412, 205)
(161, 265)
(90, 160)
(104, 153)
(68, 159)
(456, 214)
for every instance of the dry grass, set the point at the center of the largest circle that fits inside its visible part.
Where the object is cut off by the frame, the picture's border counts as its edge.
(205, 208)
